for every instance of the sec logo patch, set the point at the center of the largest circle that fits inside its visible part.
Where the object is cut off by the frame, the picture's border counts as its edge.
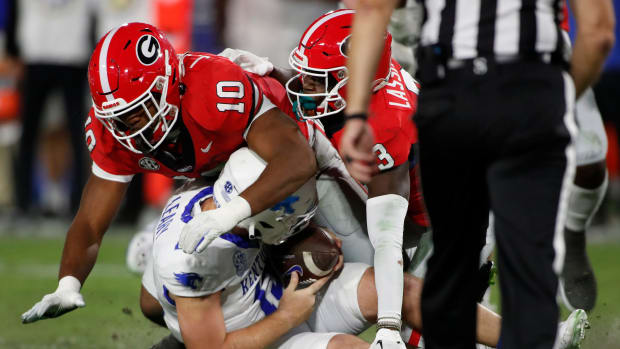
(148, 164)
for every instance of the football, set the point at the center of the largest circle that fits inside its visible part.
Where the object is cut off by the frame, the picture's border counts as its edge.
(312, 253)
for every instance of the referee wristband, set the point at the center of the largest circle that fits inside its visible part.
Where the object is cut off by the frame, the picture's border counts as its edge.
(362, 116)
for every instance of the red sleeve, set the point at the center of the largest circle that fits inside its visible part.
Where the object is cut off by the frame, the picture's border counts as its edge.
(565, 23)
(106, 151)
(276, 93)
(218, 95)
(392, 147)
(272, 89)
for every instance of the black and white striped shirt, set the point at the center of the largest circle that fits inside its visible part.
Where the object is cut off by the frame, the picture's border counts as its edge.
(486, 28)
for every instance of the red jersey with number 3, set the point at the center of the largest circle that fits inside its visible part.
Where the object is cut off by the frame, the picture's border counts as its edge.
(218, 105)
(389, 115)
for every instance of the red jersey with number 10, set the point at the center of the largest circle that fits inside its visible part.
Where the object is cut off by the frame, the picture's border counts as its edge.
(218, 105)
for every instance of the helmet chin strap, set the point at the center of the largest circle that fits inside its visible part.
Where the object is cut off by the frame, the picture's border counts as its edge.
(251, 231)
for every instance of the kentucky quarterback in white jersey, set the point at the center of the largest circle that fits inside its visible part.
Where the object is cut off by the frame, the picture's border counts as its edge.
(233, 263)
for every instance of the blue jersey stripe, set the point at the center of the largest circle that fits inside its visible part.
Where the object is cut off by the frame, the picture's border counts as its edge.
(187, 212)
(240, 241)
(167, 296)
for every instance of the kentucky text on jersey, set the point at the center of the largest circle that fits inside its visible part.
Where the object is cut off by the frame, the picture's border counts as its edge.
(256, 270)
(167, 215)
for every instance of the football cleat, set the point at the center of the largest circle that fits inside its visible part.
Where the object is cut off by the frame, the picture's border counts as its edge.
(572, 331)
(577, 282)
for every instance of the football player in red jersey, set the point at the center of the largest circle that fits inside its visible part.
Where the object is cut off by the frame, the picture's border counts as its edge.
(317, 87)
(180, 117)
(319, 91)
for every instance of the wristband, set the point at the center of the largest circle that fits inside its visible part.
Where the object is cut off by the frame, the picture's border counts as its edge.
(236, 209)
(389, 323)
(362, 116)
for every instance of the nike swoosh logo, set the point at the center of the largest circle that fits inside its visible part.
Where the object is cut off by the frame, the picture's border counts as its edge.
(380, 342)
(207, 148)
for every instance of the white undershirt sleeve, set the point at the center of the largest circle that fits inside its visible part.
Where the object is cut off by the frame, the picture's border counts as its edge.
(263, 108)
(101, 173)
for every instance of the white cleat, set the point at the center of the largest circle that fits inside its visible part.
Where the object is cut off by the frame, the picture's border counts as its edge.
(388, 339)
(572, 331)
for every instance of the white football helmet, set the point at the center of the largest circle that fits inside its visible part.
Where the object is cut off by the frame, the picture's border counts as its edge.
(274, 225)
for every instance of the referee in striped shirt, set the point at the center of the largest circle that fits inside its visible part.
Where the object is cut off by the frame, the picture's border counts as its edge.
(495, 123)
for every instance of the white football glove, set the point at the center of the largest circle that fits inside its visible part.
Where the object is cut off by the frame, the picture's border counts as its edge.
(388, 339)
(248, 61)
(66, 298)
(207, 226)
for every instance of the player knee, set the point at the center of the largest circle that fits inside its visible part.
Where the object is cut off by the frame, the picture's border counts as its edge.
(367, 295)
(346, 341)
(583, 204)
(411, 300)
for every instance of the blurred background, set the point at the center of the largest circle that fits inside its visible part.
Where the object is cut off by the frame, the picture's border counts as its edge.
(44, 49)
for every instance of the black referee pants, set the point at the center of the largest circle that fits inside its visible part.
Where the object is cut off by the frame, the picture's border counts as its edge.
(498, 140)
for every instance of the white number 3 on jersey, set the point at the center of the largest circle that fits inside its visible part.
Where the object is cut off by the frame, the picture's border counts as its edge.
(384, 156)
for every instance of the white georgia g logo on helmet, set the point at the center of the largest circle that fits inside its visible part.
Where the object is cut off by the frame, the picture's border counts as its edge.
(147, 49)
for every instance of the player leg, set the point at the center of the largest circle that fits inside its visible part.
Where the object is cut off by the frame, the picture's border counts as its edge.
(337, 318)
(151, 309)
(578, 284)
(488, 322)
(314, 340)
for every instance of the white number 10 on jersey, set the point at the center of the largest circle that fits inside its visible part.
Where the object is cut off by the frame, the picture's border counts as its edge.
(230, 89)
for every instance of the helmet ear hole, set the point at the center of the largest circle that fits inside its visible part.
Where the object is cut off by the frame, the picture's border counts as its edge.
(257, 233)
(266, 225)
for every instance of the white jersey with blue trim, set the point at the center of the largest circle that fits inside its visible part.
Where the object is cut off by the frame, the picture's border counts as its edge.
(231, 264)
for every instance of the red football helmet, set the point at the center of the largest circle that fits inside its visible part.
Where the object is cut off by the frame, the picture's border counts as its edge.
(322, 54)
(132, 69)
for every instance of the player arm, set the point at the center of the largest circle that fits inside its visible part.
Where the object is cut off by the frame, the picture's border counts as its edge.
(198, 314)
(386, 210)
(100, 201)
(369, 26)
(282, 74)
(595, 38)
(290, 160)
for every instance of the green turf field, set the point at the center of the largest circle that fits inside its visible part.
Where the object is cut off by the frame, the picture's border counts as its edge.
(112, 318)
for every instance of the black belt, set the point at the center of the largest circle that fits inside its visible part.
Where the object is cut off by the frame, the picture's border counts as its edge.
(453, 63)
(434, 63)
